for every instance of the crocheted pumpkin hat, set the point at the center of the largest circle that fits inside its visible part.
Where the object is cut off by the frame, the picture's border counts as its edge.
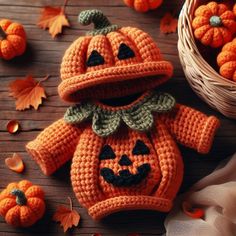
(110, 61)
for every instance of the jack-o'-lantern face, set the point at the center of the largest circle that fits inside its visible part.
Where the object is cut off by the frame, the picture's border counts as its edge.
(128, 165)
(125, 178)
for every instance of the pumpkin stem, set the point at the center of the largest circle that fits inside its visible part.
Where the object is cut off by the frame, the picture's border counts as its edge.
(215, 21)
(20, 197)
(3, 35)
(64, 5)
(101, 24)
(44, 79)
(71, 204)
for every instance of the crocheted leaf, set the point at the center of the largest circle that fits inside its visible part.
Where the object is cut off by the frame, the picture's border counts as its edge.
(161, 102)
(140, 119)
(27, 92)
(168, 24)
(105, 124)
(15, 163)
(53, 18)
(67, 217)
(78, 113)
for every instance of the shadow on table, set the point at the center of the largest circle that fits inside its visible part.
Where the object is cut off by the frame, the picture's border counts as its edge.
(23, 60)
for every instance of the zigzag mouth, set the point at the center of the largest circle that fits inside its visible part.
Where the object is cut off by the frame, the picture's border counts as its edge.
(125, 178)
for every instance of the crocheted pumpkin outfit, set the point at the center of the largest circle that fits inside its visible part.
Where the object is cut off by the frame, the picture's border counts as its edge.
(124, 153)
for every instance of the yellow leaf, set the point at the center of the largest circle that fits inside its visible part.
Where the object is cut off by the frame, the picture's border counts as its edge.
(27, 92)
(67, 217)
(53, 18)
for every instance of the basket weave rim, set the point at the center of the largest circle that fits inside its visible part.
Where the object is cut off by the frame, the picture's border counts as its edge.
(187, 13)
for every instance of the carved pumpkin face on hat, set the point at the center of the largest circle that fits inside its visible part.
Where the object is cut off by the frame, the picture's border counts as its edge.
(111, 62)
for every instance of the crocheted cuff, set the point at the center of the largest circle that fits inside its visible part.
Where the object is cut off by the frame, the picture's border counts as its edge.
(46, 160)
(54, 146)
(211, 124)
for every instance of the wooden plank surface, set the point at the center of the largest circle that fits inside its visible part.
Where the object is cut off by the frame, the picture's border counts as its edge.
(43, 57)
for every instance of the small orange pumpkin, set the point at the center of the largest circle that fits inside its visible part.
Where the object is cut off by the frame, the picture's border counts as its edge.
(227, 61)
(22, 204)
(234, 9)
(143, 5)
(214, 24)
(12, 39)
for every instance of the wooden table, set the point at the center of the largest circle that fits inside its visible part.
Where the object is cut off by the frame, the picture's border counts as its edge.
(43, 57)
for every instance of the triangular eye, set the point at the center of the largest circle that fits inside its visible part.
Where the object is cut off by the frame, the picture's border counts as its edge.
(107, 153)
(125, 52)
(95, 59)
(140, 148)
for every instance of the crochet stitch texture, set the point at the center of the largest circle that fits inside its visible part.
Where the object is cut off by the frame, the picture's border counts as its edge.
(123, 167)
(106, 120)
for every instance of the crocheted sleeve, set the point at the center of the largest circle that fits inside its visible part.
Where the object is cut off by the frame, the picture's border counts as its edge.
(191, 127)
(54, 146)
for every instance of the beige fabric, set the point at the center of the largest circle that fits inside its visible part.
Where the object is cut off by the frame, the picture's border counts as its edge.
(216, 193)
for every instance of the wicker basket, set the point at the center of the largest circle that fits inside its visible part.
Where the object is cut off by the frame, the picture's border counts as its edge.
(217, 91)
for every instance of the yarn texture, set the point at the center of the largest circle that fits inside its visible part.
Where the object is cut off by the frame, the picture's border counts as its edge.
(143, 5)
(106, 120)
(227, 61)
(22, 204)
(214, 24)
(12, 39)
(101, 24)
(124, 156)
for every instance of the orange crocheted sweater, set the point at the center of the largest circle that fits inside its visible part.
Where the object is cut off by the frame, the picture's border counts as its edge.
(124, 156)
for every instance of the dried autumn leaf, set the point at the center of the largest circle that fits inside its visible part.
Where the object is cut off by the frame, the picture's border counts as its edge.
(27, 92)
(13, 126)
(168, 24)
(67, 216)
(15, 163)
(53, 18)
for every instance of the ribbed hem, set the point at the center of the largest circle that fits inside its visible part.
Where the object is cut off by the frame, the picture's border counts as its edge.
(39, 155)
(123, 203)
(208, 134)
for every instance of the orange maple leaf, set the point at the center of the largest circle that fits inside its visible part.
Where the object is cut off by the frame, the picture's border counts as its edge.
(53, 18)
(168, 24)
(27, 92)
(67, 217)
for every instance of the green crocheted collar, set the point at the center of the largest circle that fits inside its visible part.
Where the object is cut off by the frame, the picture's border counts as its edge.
(106, 119)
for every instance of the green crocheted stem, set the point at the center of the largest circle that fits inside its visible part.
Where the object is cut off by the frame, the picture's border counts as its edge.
(215, 21)
(101, 24)
(3, 35)
(20, 197)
